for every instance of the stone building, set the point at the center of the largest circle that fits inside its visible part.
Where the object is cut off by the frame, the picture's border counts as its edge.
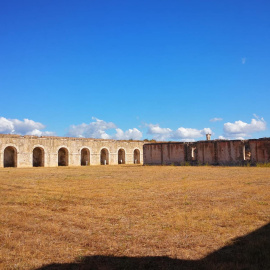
(216, 152)
(33, 151)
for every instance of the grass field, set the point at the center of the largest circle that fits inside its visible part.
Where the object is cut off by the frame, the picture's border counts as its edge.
(135, 217)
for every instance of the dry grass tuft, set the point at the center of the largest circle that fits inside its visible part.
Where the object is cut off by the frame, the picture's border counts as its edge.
(61, 215)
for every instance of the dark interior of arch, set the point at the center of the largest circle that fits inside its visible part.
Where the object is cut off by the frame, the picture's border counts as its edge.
(104, 157)
(85, 157)
(63, 157)
(121, 156)
(38, 157)
(10, 157)
(137, 156)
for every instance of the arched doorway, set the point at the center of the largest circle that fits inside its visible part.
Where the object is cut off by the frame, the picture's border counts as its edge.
(104, 156)
(38, 157)
(85, 157)
(121, 156)
(10, 157)
(136, 156)
(62, 157)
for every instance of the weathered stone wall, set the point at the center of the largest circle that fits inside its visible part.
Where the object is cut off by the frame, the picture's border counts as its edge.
(217, 152)
(153, 153)
(19, 151)
(230, 152)
(173, 153)
(24, 146)
(260, 150)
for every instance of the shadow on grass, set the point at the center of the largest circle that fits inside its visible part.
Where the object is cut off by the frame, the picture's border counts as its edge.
(251, 251)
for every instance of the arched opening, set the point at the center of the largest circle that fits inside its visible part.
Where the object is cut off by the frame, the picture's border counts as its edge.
(104, 156)
(38, 157)
(10, 157)
(136, 155)
(62, 157)
(121, 156)
(246, 152)
(85, 157)
(193, 153)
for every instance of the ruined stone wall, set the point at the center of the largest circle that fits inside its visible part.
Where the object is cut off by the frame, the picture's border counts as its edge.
(217, 152)
(24, 146)
(21, 151)
(173, 153)
(260, 150)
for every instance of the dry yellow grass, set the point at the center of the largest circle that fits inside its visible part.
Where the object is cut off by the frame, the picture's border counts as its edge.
(61, 215)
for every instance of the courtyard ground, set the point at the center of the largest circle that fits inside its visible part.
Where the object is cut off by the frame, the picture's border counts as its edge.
(135, 217)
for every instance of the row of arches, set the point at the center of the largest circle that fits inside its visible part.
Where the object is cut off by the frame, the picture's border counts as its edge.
(38, 156)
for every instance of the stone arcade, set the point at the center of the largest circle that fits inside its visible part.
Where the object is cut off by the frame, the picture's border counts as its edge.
(33, 151)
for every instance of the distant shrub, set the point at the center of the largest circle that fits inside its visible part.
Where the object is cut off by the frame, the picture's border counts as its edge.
(265, 164)
(186, 163)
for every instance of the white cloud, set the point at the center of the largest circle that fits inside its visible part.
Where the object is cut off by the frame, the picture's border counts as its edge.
(183, 134)
(187, 140)
(133, 134)
(244, 59)
(216, 119)
(92, 130)
(25, 127)
(6, 126)
(99, 128)
(186, 133)
(240, 129)
(39, 133)
(160, 134)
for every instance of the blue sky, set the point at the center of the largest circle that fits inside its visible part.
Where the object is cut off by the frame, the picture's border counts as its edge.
(135, 69)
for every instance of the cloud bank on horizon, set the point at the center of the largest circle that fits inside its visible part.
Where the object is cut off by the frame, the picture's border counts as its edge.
(240, 129)
(182, 134)
(25, 127)
(108, 130)
(98, 129)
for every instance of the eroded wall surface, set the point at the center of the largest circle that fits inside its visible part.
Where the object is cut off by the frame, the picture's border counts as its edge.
(173, 153)
(205, 152)
(217, 152)
(260, 150)
(24, 146)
